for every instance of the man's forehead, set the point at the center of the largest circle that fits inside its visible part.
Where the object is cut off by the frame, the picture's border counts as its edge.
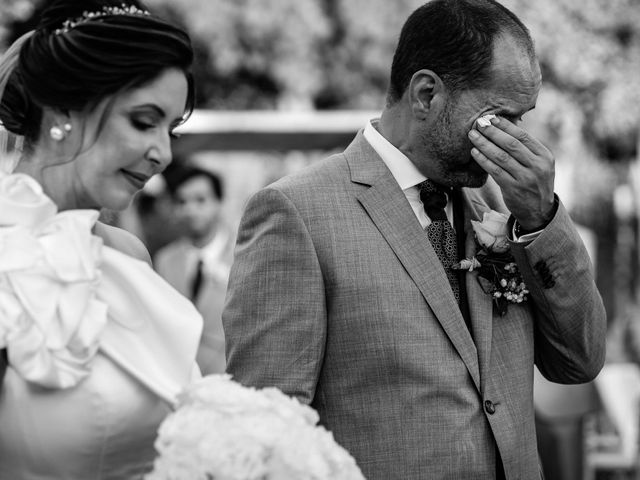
(513, 60)
(516, 77)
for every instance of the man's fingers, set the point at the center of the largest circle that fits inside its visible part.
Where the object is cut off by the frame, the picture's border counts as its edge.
(497, 172)
(496, 155)
(512, 137)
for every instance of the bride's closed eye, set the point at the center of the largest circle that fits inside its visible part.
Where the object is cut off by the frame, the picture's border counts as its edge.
(143, 123)
(148, 121)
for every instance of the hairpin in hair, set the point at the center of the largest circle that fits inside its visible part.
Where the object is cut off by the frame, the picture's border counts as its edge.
(106, 11)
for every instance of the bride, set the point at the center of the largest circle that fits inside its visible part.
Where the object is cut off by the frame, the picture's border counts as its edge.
(96, 345)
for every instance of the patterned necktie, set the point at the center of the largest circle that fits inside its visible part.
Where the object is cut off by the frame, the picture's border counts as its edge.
(196, 283)
(440, 232)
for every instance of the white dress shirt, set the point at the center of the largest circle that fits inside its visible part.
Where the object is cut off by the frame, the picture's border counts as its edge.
(212, 254)
(404, 171)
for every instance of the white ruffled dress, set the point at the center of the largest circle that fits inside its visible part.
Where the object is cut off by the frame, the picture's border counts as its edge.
(99, 345)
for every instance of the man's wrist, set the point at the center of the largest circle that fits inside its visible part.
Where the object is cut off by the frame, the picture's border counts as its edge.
(519, 230)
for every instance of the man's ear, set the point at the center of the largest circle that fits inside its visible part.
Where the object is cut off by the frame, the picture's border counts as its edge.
(425, 92)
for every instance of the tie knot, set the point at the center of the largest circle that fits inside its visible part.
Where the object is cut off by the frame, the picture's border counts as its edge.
(434, 199)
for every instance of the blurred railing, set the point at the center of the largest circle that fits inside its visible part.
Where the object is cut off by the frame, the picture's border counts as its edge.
(269, 130)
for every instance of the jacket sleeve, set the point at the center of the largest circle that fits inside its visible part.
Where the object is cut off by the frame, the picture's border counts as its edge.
(570, 320)
(275, 317)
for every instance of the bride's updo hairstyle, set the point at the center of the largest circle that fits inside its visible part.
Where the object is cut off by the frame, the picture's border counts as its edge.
(82, 51)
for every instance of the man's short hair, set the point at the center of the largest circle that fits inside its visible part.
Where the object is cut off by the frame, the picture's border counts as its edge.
(182, 174)
(454, 39)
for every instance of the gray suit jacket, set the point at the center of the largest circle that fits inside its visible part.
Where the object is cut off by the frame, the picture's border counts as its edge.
(337, 297)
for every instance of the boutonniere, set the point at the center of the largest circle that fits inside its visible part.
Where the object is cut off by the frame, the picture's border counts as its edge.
(498, 272)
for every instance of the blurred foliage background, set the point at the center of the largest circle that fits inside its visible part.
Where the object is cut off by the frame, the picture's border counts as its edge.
(336, 54)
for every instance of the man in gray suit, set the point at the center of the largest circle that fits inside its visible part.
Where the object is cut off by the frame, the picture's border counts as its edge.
(338, 297)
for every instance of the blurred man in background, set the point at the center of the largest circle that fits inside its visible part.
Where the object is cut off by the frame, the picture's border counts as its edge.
(197, 263)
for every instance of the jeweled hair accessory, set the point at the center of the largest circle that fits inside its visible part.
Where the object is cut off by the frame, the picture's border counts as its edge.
(106, 11)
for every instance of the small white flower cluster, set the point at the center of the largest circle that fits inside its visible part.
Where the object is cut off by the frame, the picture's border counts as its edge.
(513, 288)
(124, 9)
(225, 431)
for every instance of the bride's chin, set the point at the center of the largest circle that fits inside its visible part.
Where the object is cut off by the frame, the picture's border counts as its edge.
(117, 201)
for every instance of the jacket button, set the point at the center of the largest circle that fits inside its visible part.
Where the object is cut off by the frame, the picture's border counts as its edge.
(489, 407)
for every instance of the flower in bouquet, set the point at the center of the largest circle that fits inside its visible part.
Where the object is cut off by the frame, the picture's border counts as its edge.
(224, 431)
(498, 272)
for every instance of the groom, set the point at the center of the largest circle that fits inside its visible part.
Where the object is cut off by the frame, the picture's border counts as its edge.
(342, 295)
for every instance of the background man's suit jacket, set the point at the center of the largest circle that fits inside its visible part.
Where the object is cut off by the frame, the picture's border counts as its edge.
(177, 264)
(337, 297)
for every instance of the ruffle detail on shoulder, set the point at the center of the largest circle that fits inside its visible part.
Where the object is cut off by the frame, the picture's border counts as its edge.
(22, 201)
(51, 319)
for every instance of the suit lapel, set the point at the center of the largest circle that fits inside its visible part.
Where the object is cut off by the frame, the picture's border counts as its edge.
(390, 211)
(480, 303)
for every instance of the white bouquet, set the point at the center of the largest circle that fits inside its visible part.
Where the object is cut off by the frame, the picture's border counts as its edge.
(224, 431)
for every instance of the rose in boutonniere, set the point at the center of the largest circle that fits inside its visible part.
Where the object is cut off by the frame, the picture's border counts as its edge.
(491, 233)
(498, 273)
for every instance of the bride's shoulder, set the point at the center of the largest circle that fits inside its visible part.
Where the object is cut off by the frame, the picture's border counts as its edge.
(123, 241)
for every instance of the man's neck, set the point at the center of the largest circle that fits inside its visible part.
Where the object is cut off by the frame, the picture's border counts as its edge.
(393, 127)
(204, 240)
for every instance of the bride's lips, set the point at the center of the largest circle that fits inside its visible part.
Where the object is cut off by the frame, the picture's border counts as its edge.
(138, 180)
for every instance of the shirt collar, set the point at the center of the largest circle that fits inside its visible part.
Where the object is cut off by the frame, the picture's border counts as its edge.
(402, 169)
(212, 250)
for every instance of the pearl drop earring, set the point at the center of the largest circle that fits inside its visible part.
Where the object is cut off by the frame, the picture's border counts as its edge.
(58, 134)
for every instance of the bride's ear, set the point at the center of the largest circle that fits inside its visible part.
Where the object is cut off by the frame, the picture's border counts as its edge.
(57, 125)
